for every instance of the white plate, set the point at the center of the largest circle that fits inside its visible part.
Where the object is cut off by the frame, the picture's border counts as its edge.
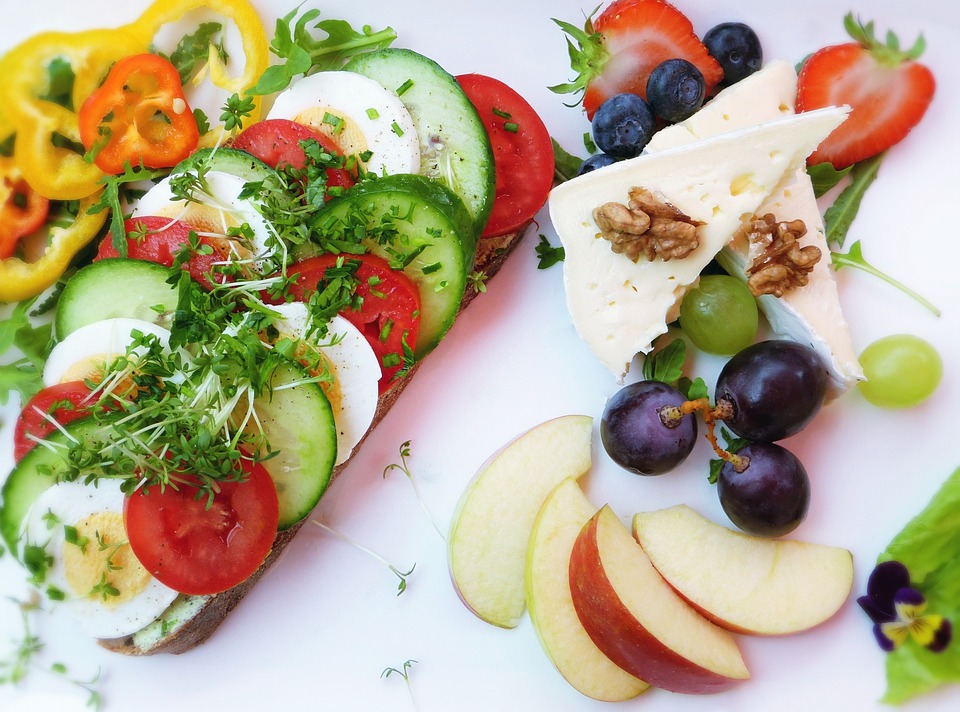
(326, 622)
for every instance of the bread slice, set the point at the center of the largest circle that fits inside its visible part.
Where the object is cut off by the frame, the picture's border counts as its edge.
(191, 620)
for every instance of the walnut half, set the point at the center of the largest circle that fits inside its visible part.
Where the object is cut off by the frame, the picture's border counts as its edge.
(783, 264)
(647, 225)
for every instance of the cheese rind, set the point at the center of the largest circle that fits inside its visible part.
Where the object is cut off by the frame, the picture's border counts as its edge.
(810, 315)
(619, 306)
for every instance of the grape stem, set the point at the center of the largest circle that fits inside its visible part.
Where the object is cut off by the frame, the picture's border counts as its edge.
(723, 410)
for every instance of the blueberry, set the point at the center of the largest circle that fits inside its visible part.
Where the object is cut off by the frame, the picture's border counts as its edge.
(622, 125)
(675, 90)
(597, 160)
(737, 48)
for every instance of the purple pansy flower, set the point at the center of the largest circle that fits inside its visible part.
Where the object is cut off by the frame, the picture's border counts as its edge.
(898, 610)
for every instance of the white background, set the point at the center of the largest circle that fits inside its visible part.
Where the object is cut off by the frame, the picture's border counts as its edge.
(319, 630)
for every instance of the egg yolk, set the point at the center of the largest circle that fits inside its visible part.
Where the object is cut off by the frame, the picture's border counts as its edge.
(104, 557)
(337, 126)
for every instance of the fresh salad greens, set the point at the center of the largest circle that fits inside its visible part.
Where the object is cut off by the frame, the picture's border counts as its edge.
(929, 546)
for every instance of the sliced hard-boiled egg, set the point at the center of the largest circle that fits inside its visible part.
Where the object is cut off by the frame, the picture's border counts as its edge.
(359, 115)
(84, 353)
(353, 391)
(89, 563)
(214, 211)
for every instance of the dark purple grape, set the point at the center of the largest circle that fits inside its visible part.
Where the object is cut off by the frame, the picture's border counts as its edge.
(642, 431)
(771, 390)
(771, 496)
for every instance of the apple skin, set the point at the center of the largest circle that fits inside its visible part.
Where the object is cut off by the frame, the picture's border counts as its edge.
(490, 530)
(746, 584)
(639, 621)
(550, 605)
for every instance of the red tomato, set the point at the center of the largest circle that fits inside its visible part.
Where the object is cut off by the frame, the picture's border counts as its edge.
(64, 402)
(390, 305)
(277, 142)
(198, 550)
(522, 152)
(162, 238)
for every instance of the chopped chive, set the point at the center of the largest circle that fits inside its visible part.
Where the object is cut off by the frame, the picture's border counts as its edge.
(335, 122)
(588, 143)
(395, 127)
(385, 331)
(430, 269)
(373, 114)
(366, 155)
(390, 360)
(511, 127)
(501, 113)
(405, 87)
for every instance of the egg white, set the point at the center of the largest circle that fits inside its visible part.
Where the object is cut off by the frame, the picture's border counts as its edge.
(373, 118)
(354, 366)
(214, 212)
(68, 503)
(99, 341)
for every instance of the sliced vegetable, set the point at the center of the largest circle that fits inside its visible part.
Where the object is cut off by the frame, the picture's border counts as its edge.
(20, 279)
(22, 209)
(389, 304)
(54, 406)
(522, 152)
(199, 547)
(139, 116)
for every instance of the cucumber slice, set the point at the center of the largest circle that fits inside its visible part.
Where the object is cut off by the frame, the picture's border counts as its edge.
(226, 160)
(435, 234)
(35, 473)
(116, 287)
(454, 145)
(298, 422)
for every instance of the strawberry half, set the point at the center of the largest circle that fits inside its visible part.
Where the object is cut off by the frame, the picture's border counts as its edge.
(887, 90)
(617, 52)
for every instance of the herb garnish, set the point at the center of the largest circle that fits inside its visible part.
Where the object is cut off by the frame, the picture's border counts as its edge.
(405, 674)
(548, 254)
(402, 575)
(403, 467)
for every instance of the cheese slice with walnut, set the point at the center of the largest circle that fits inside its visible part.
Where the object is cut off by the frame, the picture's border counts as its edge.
(618, 305)
(809, 314)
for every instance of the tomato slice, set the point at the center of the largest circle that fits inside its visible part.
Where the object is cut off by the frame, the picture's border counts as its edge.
(276, 142)
(158, 239)
(198, 550)
(390, 305)
(522, 152)
(64, 402)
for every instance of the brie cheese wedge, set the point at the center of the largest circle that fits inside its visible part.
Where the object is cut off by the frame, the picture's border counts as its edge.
(811, 314)
(619, 306)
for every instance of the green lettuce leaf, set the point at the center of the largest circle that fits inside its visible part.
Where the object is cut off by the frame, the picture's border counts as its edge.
(929, 546)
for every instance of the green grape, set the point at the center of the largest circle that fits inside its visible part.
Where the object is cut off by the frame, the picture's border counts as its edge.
(719, 315)
(901, 370)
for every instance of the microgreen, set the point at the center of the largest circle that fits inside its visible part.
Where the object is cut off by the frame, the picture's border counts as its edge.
(402, 575)
(235, 111)
(547, 254)
(854, 258)
(477, 281)
(404, 672)
(193, 50)
(113, 199)
(303, 52)
(404, 467)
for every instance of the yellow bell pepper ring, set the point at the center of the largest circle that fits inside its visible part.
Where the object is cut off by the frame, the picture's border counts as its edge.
(21, 280)
(256, 46)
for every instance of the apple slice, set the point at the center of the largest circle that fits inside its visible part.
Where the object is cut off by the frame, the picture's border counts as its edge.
(744, 583)
(493, 520)
(550, 605)
(639, 621)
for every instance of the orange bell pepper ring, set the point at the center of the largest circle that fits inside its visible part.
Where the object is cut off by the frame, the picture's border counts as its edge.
(22, 209)
(138, 116)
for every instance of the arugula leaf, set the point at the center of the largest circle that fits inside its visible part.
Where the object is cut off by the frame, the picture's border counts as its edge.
(839, 216)
(548, 254)
(565, 165)
(666, 365)
(193, 50)
(929, 546)
(25, 374)
(304, 53)
(854, 258)
(825, 177)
